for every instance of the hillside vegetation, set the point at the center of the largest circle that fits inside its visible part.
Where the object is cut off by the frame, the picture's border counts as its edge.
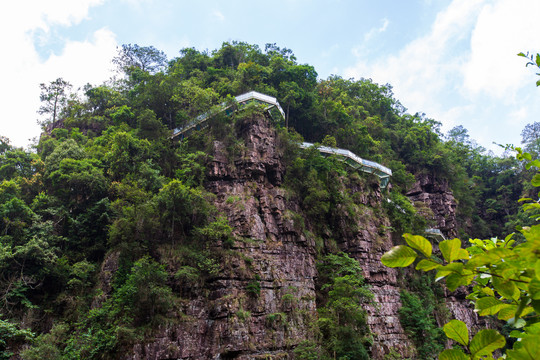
(106, 178)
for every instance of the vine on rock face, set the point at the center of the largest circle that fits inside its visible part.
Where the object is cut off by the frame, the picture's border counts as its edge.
(505, 279)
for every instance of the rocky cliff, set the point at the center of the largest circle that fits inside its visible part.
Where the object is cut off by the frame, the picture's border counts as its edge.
(230, 321)
(437, 196)
(275, 256)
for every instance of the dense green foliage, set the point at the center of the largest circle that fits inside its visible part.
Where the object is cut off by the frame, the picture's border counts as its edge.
(10, 335)
(503, 276)
(105, 179)
(417, 318)
(342, 325)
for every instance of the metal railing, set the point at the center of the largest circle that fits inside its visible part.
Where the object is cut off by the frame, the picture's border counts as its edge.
(254, 95)
(364, 165)
(200, 121)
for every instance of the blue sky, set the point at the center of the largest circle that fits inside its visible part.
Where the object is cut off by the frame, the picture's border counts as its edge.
(454, 60)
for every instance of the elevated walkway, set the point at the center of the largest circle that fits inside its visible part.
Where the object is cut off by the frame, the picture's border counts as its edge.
(435, 234)
(271, 103)
(356, 162)
(201, 121)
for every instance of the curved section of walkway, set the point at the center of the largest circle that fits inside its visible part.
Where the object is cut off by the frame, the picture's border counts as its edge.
(200, 122)
(356, 162)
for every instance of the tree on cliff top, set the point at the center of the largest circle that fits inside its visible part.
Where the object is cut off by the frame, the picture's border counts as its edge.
(54, 98)
(145, 58)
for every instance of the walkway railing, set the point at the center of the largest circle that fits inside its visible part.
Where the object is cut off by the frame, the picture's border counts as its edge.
(356, 162)
(435, 233)
(201, 121)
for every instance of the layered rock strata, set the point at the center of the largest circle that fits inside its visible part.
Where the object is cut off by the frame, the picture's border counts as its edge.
(233, 321)
(438, 197)
(228, 320)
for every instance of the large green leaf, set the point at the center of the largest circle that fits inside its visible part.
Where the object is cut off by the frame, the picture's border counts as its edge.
(419, 243)
(454, 280)
(399, 256)
(506, 288)
(507, 312)
(534, 289)
(536, 180)
(450, 249)
(462, 254)
(457, 330)
(536, 305)
(485, 342)
(533, 329)
(492, 256)
(526, 349)
(489, 306)
(453, 268)
(427, 265)
(453, 354)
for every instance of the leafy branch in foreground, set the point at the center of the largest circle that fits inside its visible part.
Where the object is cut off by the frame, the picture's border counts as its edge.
(505, 279)
(533, 60)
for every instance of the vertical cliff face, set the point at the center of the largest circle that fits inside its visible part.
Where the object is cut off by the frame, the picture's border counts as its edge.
(262, 304)
(367, 245)
(438, 197)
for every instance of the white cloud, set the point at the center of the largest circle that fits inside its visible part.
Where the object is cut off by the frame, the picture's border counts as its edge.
(77, 62)
(329, 52)
(65, 12)
(38, 14)
(454, 116)
(422, 68)
(465, 69)
(374, 31)
(137, 2)
(83, 62)
(503, 29)
(519, 114)
(218, 15)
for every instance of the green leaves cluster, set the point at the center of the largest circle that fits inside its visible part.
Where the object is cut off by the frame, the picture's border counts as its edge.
(533, 60)
(505, 276)
(481, 345)
(11, 334)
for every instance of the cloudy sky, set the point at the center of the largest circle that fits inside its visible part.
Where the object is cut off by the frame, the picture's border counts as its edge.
(454, 60)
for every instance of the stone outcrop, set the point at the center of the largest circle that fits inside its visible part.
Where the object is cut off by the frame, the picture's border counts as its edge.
(367, 246)
(438, 197)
